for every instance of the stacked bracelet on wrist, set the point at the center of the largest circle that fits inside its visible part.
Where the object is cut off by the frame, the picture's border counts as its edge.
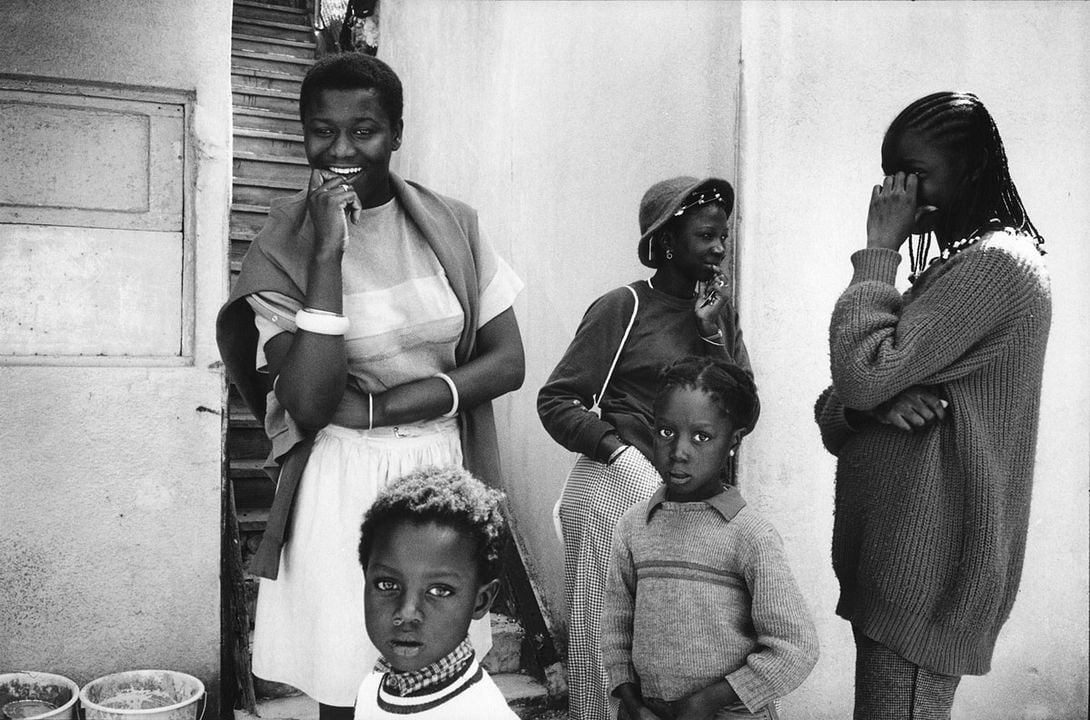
(716, 339)
(321, 322)
(453, 392)
(616, 453)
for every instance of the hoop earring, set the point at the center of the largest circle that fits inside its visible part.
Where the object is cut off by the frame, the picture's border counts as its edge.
(669, 254)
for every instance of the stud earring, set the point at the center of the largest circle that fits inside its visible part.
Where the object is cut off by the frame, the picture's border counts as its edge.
(732, 453)
(669, 254)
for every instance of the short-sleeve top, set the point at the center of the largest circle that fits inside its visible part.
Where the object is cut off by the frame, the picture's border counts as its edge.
(405, 318)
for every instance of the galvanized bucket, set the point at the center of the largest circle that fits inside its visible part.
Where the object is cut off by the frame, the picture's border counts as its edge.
(33, 695)
(142, 695)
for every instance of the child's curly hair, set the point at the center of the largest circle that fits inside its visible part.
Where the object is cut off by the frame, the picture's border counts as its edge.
(447, 495)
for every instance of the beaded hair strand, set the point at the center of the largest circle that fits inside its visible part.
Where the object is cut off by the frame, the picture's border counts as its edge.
(959, 121)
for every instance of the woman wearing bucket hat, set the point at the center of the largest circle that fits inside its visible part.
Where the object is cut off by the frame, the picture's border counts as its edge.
(597, 402)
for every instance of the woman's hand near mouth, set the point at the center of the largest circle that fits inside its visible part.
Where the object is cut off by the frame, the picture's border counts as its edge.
(331, 202)
(709, 303)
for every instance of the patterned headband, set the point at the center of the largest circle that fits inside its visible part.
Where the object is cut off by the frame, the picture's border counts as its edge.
(701, 197)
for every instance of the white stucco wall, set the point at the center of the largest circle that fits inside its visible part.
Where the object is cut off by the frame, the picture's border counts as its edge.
(110, 493)
(821, 83)
(552, 119)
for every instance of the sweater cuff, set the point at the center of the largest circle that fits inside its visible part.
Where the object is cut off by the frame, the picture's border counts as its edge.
(621, 674)
(875, 264)
(750, 688)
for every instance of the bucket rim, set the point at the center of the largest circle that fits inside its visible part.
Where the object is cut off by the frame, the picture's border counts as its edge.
(66, 681)
(140, 711)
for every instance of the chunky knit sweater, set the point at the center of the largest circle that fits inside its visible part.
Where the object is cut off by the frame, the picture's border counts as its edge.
(930, 526)
(700, 592)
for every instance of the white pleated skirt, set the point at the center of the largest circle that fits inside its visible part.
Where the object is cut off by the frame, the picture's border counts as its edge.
(309, 630)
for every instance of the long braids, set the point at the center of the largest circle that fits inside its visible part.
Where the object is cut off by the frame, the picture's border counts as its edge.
(989, 201)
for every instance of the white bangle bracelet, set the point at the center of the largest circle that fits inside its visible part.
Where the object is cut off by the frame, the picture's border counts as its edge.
(616, 453)
(321, 323)
(453, 392)
(370, 411)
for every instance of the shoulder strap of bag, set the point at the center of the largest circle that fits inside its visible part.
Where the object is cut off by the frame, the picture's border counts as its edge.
(609, 375)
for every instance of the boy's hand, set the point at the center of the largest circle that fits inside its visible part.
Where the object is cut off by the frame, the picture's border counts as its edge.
(704, 704)
(633, 706)
(692, 708)
(330, 202)
(644, 713)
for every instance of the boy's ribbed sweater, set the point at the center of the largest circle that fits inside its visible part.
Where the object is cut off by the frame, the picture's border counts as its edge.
(470, 694)
(930, 527)
(699, 592)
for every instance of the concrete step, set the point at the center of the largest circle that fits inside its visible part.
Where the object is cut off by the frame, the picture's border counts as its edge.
(525, 695)
(273, 11)
(259, 118)
(297, 32)
(247, 442)
(245, 224)
(298, 707)
(280, 101)
(506, 653)
(270, 167)
(254, 495)
(247, 468)
(298, 4)
(252, 520)
(238, 415)
(268, 79)
(284, 64)
(274, 46)
(252, 191)
(268, 142)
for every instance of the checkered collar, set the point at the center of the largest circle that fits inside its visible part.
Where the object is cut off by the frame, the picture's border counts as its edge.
(445, 668)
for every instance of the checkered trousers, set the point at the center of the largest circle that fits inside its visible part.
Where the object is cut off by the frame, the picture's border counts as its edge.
(594, 498)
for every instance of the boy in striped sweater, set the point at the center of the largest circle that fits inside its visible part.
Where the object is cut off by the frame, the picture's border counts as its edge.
(702, 616)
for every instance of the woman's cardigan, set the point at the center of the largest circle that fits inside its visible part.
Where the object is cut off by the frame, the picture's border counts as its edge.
(277, 261)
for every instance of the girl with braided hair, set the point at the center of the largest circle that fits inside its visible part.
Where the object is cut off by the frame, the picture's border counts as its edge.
(933, 411)
(680, 310)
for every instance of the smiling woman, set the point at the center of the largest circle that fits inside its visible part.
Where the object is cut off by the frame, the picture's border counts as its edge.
(381, 321)
(349, 136)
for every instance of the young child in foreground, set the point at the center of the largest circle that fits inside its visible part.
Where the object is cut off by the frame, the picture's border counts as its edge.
(702, 616)
(429, 547)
